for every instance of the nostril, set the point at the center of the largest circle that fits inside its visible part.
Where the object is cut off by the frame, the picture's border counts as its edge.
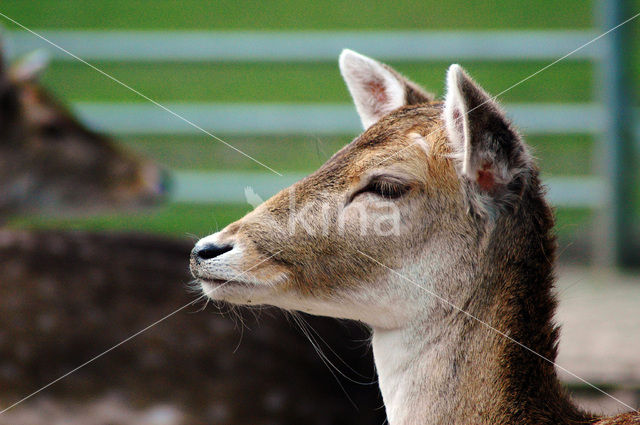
(211, 251)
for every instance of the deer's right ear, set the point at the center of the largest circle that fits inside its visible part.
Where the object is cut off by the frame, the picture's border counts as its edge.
(377, 89)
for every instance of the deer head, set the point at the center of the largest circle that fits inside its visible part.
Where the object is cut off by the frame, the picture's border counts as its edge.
(419, 193)
(50, 162)
(432, 228)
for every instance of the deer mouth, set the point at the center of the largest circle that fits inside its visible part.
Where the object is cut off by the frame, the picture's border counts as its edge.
(232, 291)
(221, 288)
(215, 284)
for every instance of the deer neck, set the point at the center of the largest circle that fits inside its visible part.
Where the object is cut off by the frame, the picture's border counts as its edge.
(448, 368)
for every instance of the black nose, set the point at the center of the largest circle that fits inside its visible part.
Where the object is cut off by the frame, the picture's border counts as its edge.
(208, 252)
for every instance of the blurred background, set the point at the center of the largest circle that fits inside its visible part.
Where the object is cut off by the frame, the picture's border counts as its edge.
(263, 77)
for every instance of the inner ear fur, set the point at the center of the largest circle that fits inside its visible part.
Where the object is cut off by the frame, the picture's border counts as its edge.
(489, 151)
(376, 88)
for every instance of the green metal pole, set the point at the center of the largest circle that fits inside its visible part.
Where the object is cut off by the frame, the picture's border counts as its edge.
(618, 147)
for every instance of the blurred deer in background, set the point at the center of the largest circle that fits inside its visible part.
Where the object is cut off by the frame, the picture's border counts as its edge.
(463, 273)
(67, 296)
(50, 162)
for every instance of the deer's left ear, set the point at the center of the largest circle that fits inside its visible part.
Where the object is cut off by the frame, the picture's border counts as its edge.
(376, 88)
(490, 152)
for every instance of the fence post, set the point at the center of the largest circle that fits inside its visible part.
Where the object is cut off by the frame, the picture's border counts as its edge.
(613, 245)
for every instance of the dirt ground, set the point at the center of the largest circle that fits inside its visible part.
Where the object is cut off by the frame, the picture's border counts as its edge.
(600, 339)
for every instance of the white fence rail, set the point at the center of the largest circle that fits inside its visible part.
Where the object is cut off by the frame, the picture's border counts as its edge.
(310, 46)
(145, 118)
(229, 187)
(312, 119)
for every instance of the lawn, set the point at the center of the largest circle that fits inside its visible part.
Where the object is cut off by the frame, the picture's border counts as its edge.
(302, 82)
(195, 221)
(568, 155)
(301, 14)
(565, 82)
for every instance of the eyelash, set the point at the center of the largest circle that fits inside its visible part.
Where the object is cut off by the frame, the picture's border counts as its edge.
(385, 189)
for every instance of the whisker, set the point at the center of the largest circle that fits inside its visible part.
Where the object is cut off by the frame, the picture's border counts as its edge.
(330, 366)
(337, 355)
(299, 317)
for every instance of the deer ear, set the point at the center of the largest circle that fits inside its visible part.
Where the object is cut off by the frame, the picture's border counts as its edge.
(377, 89)
(29, 67)
(490, 152)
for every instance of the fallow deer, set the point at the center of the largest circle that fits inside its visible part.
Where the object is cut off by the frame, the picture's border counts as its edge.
(50, 162)
(67, 296)
(432, 228)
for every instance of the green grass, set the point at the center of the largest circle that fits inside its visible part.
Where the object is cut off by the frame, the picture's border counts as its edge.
(173, 219)
(301, 82)
(189, 220)
(290, 153)
(570, 221)
(557, 155)
(564, 155)
(300, 14)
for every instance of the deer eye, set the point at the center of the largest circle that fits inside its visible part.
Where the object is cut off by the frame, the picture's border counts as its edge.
(384, 188)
